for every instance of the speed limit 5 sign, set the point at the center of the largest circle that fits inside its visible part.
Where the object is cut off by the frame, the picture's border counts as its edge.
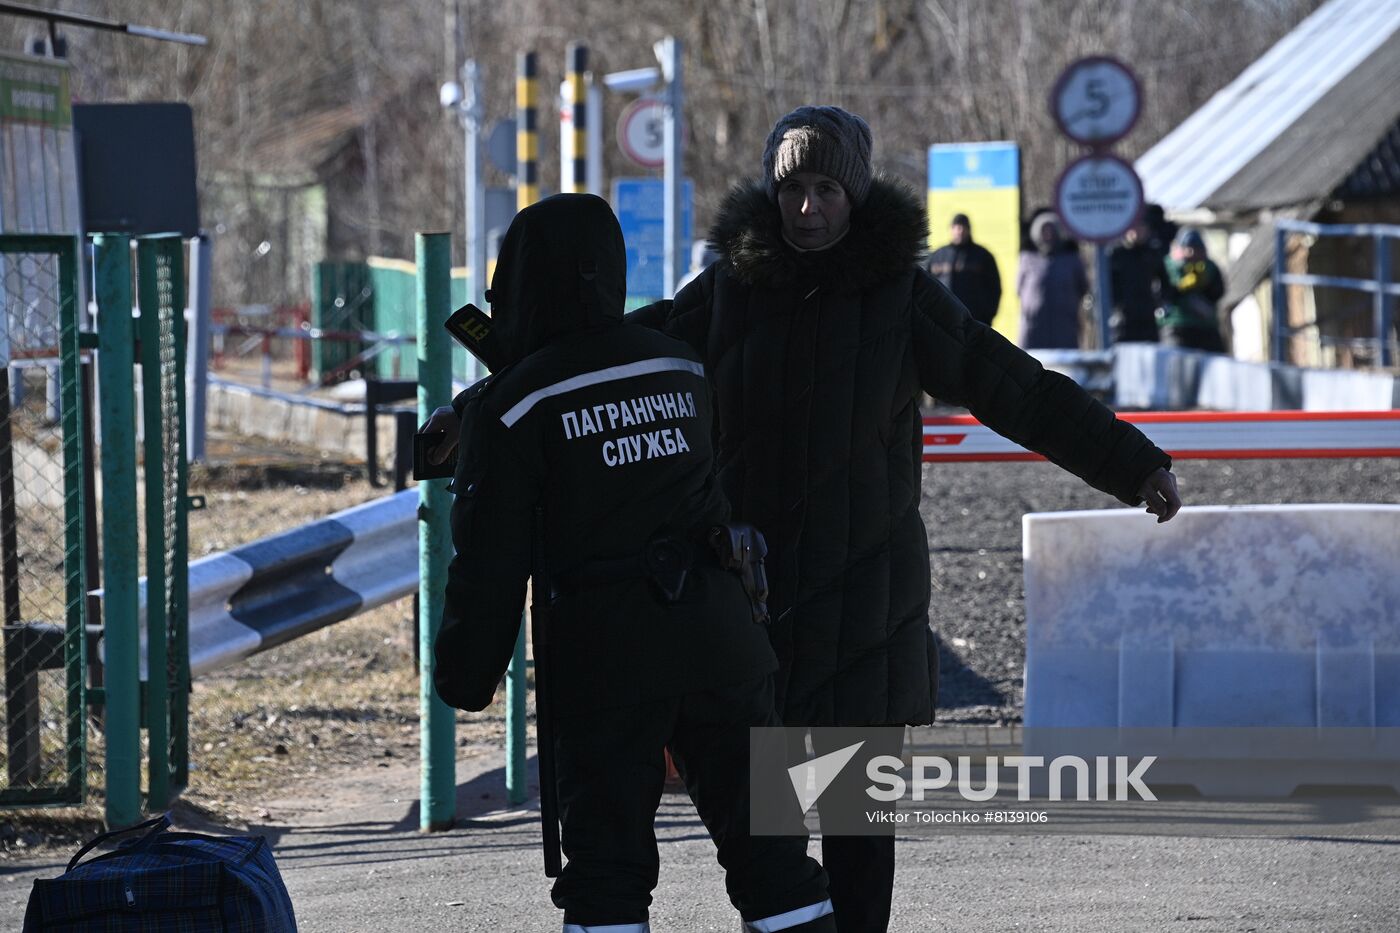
(1096, 101)
(641, 132)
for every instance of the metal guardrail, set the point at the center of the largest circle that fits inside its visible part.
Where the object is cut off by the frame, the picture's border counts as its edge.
(278, 588)
(1380, 288)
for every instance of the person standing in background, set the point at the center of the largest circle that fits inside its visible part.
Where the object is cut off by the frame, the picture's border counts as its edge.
(1051, 283)
(969, 271)
(1139, 281)
(1160, 230)
(1188, 316)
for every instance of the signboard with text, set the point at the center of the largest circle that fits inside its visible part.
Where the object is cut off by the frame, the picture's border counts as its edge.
(983, 181)
(38, 194)
(1098, 197)
(38, 174)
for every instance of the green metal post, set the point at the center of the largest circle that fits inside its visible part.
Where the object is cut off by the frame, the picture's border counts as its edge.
(73, 511)
(439, 781)
(515, 722)
(121, 632)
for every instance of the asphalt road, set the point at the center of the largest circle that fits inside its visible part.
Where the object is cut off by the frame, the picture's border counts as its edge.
(354, 860)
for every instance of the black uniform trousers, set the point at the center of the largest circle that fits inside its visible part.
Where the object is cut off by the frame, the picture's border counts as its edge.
(860, 868)
(611, 769)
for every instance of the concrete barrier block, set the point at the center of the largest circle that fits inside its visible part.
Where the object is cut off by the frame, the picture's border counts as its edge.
(234, 408)
(1251, 633)
(1348, 390)
(1228, 384)
(1149, 375)
(1091, 369)
(1288, 387)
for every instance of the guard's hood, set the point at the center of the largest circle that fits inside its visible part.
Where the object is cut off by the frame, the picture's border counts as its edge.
(562, 269)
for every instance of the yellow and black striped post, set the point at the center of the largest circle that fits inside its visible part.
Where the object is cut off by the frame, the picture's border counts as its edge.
(527, 130)
(573, 173)
(527, 192)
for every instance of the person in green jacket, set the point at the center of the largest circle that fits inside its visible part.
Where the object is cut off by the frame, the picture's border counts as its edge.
(1188, 316)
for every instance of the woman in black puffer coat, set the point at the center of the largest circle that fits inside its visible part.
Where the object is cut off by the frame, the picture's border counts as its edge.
(819, 330)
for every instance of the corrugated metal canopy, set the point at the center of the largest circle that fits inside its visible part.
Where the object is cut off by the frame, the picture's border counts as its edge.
(1292, 127)
(1379, 173)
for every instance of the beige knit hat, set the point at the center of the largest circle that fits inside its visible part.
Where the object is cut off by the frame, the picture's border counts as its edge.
(826, 140)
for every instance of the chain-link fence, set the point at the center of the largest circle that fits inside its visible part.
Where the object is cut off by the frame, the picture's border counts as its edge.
(281, 714)
(41, 520)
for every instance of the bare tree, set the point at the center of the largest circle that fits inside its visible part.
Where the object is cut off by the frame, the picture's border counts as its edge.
(292, 97)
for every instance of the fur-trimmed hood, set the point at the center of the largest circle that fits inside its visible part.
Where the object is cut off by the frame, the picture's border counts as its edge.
(888, 235)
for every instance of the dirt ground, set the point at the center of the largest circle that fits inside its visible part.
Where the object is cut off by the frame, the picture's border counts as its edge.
(294, 716)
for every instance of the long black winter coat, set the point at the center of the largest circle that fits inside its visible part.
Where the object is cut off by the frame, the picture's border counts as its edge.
(608, 427)
(970, 272)
(1139, 282)
(818, 360)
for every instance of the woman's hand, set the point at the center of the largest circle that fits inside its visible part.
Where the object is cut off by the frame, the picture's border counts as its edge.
(1159, 494)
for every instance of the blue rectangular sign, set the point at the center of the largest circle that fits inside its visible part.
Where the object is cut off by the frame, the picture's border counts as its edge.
(640, 204)
(973, 166)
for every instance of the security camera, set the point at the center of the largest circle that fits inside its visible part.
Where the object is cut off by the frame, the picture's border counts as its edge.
(450, 94)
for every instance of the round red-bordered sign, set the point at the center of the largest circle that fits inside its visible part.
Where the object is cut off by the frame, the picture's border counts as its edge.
(1096, 101)
(1098, 197)
(641, 132)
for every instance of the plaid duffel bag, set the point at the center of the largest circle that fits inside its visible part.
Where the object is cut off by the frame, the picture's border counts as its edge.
(165, 882)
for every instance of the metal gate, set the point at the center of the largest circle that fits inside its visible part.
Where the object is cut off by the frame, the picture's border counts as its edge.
(41, 522)
(143, 688)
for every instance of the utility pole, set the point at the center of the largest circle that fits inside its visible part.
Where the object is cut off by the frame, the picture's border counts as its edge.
(473, 118)
(595, 138)
(466, 100)
(668, 53)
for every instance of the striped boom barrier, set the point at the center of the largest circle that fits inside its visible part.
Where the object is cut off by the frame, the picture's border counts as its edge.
(573, 126)
(527, 130)
(1197, 436)
(273, 590)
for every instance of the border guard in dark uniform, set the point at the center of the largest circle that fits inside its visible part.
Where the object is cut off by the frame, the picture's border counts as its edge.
(605, 428)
